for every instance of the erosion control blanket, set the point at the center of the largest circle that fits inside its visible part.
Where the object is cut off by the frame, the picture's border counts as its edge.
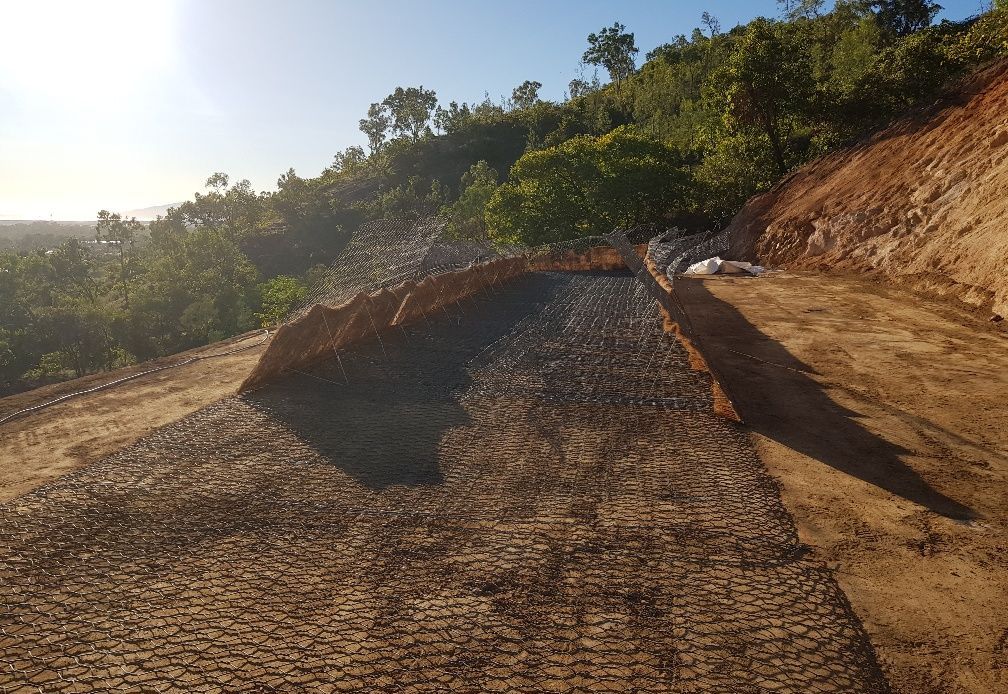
(717, 266)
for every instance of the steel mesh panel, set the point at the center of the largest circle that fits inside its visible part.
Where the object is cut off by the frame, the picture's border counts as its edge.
(384, 253)
(508, 498)
(673, 251)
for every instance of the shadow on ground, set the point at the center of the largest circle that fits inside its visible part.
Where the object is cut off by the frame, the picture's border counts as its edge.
(380, 410)
(777, 397)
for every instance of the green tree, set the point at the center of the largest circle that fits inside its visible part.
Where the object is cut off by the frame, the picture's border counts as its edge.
(376, 126)
(853, 54)
(612, 48)
(904, 17)
(410, 110)
(712, 23)
(450, 120)
(238, 210)
(795, 9)
(112, 228)
(766, 83)
(588, 186)
(218, 181)
(985, 40)
(278, 297)
(466, 214)
(199, 287)
(349, 161)
(526, 94)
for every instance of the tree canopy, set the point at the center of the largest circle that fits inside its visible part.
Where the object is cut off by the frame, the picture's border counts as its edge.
(410, 109)
(587, 186)
(612, 48)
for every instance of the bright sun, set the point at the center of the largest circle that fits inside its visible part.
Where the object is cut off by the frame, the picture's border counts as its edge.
(85, 51)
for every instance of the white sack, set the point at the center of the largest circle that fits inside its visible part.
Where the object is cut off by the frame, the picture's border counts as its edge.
(717, 266)
(711, 266)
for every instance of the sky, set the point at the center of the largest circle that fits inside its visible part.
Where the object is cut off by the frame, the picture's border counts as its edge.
(124, 104)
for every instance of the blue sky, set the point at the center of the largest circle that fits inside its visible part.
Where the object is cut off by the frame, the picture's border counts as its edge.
(123, 104)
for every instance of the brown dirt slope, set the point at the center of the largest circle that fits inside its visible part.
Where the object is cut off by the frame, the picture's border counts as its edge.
(884, 419)
(41, 446)
(924, 202)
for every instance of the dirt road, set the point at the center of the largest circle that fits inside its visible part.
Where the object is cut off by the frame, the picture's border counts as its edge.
(884, 417)
(527, 493)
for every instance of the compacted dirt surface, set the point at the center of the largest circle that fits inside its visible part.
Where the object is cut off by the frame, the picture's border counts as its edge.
(528, 492)
(885, 418)
(40, 446)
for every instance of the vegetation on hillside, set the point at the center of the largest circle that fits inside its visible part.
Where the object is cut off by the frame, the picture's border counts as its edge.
(684, 139)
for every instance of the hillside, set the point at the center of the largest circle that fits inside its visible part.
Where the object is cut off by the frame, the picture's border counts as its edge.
(923, 202)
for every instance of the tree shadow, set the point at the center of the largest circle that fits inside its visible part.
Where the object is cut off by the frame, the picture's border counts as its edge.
(776, 396)
(380, 409)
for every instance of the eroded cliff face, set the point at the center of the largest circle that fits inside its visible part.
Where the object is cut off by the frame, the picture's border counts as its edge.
(924, 202)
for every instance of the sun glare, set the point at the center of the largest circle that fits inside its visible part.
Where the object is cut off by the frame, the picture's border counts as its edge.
(85, 51)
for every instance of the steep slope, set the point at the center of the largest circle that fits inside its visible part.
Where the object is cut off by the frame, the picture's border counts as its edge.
(924, 202)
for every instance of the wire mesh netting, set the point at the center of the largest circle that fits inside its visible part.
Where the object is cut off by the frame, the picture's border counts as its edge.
(381, 254)
(673, 251)
(524, 493)
(387, 252)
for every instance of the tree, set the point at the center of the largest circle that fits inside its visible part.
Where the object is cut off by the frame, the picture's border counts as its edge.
(112, 228)
(587, 186)
(765, 83)
(73, 267)
(238, 210)
(794, 9)
(349, 161)
(904, 17)
(613, 49)
(410, 109)
(375, 126)
(466, 214)
(526, 94)
(450, 120)
(201, 288)
(712, 23)
(218, 181)
(279, 296)
(579, 86)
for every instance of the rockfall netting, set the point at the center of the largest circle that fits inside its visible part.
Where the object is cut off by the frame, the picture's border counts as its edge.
(324, 330)
(399, 271)
(526, 492)
(379, 255)
(673, 251)
(657, 272)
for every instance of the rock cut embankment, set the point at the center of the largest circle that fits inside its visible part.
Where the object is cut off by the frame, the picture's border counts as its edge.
(923, 203)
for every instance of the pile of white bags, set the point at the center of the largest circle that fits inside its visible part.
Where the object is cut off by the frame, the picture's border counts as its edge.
(717, 266)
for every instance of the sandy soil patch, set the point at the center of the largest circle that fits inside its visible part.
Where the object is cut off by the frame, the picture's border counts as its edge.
(884, 418)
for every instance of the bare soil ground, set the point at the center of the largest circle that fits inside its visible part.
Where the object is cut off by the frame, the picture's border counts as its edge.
(41, 446)
(530, 493)
(885, 419)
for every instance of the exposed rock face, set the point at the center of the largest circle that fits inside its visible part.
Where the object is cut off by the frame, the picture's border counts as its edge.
(924, 202)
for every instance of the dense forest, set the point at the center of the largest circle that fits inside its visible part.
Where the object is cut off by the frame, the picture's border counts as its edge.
(35, 234)
(682, 139)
